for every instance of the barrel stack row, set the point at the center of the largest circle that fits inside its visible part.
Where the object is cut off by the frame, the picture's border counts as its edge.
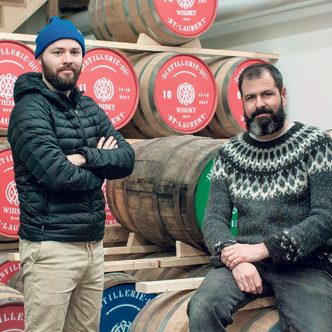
(146, 95)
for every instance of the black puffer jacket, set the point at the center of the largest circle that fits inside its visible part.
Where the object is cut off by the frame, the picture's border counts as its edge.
(58, 200)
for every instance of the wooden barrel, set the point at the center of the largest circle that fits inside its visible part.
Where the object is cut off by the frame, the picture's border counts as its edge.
(164, 199)
(109, 219)
(178, 95)
(228, 119)
(167, 313)
(168, 22)
(109, 78)
(11, 309)
(256, 320)
(121, 303)
(9, 211)
(153, 316)
(15, 59)
(3, 140)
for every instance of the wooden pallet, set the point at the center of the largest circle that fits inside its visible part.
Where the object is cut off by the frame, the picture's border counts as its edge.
(185, 255)
(115, 235)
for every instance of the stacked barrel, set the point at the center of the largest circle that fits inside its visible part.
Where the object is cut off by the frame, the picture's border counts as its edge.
(15, 59)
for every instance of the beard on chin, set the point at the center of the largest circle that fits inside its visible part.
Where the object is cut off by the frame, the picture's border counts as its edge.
(59, 83)
(265, 125)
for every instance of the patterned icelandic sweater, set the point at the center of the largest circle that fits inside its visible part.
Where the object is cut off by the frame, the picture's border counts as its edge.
(283, 192)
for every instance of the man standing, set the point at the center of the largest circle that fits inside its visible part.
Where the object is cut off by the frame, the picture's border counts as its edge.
(278, 176)
(64, 146)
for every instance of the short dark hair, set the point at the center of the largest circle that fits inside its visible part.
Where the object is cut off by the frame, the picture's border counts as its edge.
(257, 70)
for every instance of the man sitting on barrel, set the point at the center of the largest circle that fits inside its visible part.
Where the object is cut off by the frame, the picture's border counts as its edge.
(278, 176)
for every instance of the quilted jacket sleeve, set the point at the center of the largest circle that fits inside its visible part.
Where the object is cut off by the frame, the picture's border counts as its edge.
(33, 140)
(110, 164)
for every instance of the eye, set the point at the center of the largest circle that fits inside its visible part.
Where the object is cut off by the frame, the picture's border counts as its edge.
(249, 98)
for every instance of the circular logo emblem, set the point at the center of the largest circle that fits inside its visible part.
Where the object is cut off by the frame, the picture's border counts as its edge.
(15, 59)
(189, 18)
(11, 193)
(12, 318)
(7, 85)
(110, 220)
(120, 306)
(233, 92)
(9, 205)
(8, 270)
(108, 78)
(185, 4)
(185, 93)
(104, 89)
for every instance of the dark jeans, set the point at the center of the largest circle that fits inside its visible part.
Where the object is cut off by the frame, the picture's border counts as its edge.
(304, 299)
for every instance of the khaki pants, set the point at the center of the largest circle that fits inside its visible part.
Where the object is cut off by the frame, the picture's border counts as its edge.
(63, 285)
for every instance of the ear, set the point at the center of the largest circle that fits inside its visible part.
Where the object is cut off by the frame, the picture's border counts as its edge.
(39, 60)
(283, 96)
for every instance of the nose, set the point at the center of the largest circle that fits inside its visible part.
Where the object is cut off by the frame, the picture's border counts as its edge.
(260, 103)
(67, 57)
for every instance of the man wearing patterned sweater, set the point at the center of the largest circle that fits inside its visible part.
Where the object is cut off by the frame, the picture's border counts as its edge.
(278, 175)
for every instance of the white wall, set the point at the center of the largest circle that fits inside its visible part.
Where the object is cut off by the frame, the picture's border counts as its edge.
(304, 46)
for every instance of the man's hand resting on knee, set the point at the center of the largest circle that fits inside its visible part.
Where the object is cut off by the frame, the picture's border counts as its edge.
(247, 278)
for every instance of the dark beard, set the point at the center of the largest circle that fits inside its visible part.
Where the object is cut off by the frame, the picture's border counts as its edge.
(58, 83)
(268, 125)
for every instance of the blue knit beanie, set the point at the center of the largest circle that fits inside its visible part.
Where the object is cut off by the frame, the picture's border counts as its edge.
(57, 29)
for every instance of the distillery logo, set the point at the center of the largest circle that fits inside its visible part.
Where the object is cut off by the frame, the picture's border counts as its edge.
(11, 193)
(109, 78)
(104, 89)
(185, 94)
(8, 270)
(7, 82)
(12, 317)
(120, 305)
(15, 60)
(185, 4)
(9, 210)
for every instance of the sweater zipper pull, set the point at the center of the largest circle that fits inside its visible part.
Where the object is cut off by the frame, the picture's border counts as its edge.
(234, 229)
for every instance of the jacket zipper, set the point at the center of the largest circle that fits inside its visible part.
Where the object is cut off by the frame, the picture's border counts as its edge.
(46, 211)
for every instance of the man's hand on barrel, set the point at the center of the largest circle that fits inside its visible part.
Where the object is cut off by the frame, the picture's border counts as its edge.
(238, 253)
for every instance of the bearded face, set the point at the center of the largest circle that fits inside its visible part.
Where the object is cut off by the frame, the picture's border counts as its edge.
(260, 125)
(63, 78)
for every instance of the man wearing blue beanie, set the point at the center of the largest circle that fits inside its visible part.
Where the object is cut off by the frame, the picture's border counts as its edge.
(64, 147)
(57, 29)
